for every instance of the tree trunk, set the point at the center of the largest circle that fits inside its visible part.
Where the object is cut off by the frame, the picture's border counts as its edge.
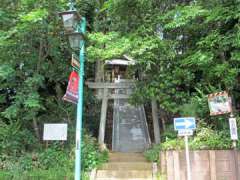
(163, 118)
(36, 129)
(40, 54)
(155, 122)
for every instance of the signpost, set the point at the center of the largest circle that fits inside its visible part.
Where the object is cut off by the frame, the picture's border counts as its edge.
(233, 128)
(221, 103)
(185, 127)
(234, 137)
(187, 123)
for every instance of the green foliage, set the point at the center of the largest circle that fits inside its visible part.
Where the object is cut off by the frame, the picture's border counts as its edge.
(181, 17)
(196, 107)
(183, 51)
(53, 174)
(205, 138)
(153, 153)
(14, 140)
(106, 46)
(29, 167)
(55, 161)
(92, 157)
(32, 101)
(55, 157)
(169, 133)
(194, 53)
(173, 144)
(32, 61)
(35, 15)
(6, 72)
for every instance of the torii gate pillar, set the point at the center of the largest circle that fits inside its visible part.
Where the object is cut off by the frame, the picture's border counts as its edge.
(103, 118)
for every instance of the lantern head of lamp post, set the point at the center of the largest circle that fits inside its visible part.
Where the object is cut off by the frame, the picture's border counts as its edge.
(74, 40)
(70, 20)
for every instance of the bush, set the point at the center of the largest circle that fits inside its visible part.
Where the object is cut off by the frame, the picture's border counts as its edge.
(55, 157)
(92, 157)
(14, 140)
(205, 138)
(55, 161)
(208, 138)
(153, 153)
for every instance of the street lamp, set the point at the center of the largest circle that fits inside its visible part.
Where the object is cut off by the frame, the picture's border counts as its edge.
(75, 39)
(70, 20)
(75, 28)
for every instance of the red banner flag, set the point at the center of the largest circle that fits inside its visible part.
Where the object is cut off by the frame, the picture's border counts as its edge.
(72, 89)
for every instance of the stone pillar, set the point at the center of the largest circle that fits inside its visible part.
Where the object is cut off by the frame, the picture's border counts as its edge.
(102, 125)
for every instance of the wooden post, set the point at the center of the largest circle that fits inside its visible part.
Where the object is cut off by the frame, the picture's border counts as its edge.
(46, 144)
(163, 163)
(212, 165)
(103, 117)
(235, 159)
(176, 165)
(36, 129)
(170, 165)
(155, 122)
(155, 170)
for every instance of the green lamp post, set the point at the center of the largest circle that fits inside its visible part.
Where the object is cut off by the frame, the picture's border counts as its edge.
(75, 28)
(70, 20)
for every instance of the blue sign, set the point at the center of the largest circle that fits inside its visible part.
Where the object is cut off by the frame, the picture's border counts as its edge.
(184, 123)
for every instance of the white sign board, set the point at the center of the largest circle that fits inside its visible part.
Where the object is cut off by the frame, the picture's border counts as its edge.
(185, 132)
(233, 128)
(55, 132)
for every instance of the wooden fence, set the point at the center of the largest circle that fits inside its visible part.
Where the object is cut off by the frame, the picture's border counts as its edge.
(205, 165)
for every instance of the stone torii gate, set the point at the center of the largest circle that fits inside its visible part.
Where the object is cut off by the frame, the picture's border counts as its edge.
(116, 90)
(105, 96)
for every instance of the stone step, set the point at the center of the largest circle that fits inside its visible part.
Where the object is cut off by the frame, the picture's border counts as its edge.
(127, 166)
(124, 174)
(127, 157)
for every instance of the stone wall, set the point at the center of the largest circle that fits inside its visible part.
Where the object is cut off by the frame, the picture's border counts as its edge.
(205, 165)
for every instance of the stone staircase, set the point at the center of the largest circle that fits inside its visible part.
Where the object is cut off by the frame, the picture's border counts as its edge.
(125, 166)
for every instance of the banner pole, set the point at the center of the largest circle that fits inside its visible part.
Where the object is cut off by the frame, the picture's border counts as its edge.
(78, 154)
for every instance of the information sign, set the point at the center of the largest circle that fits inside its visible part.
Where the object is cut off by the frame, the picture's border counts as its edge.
(186, 132)
(55, 132)
(219, 103)
(233, 128)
